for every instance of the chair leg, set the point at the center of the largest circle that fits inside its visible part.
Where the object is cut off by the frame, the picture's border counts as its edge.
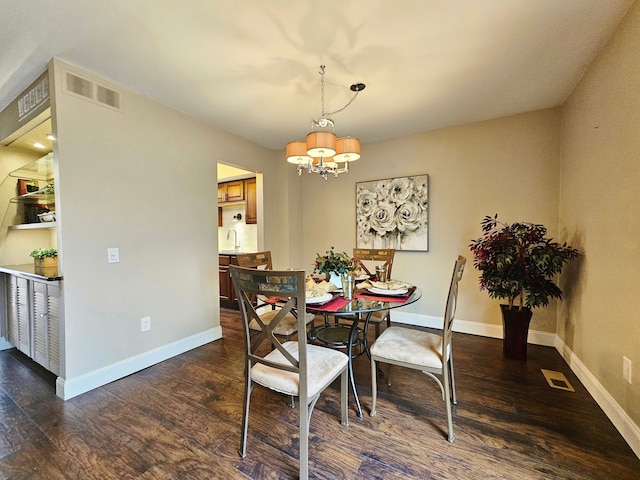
(344, 397)
(245, 416)
(304, 439)
(453, 382)
(377, 329)
(447, 402)
(374, 387)
(389, 376)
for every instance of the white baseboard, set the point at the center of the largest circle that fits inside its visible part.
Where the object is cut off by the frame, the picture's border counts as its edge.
(623, 423)
(69, 388)
(473, 328)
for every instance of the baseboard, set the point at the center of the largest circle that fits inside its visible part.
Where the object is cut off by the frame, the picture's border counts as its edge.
(623, 423)
(69, 388)
(473, 328)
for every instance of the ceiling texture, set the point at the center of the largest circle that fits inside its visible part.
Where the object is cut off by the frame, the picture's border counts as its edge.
(251, 67)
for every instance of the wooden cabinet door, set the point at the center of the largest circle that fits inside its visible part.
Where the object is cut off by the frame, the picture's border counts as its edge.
(235, 191)
(46, 326)
(222, 192)
(18, 319)
(251, 214)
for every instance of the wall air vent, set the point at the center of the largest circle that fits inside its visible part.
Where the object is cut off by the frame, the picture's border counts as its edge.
(108, 97)
(93, 91)
(79, 85)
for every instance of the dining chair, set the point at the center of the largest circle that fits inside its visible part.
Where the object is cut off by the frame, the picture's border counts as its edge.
(429, 352)
(368, 259)
(293, 367)
(289, 325)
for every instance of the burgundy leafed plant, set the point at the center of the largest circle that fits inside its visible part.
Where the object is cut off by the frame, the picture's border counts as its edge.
(518, 261)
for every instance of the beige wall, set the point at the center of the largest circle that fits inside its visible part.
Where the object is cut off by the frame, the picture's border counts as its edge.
(508, 166)
(599, 209)
(143, 180)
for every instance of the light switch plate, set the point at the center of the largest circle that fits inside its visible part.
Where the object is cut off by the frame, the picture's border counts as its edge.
(113, 255)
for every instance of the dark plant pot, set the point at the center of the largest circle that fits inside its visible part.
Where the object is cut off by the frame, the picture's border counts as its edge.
(515, 323)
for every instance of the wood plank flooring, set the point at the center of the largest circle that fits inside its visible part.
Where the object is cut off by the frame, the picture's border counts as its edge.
(180, 419)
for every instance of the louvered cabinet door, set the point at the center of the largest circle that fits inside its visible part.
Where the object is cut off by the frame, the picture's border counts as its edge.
(18, 324)
(46, 326)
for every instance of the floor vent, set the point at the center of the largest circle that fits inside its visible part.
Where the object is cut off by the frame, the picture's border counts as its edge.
(557, 380)
(93, 91)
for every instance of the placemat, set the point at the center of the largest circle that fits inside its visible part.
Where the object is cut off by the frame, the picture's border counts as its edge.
(332, 305)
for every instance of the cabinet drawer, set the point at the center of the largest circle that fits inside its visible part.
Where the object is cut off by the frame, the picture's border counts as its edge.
(223, 260)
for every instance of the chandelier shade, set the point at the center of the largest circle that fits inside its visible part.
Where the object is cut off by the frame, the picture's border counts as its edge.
(321, 144)
(347, 149)
(297, 153)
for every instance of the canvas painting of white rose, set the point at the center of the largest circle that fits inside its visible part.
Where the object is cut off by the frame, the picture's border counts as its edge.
(393, 213)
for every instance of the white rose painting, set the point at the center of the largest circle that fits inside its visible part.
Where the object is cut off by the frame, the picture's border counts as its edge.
(393, 213)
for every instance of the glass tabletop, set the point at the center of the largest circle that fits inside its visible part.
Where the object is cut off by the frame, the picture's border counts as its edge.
(364, 302)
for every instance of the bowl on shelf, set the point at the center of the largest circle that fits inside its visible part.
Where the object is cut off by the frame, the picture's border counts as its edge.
(47, 217)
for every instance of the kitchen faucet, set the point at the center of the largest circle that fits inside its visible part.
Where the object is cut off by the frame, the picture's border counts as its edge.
(236, 243)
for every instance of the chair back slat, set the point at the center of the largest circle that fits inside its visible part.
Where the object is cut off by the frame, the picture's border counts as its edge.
(261, 260)
(287, 285)
(452, 300)
(376, 256)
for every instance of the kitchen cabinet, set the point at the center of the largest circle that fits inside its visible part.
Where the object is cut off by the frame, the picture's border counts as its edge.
(33, 319)
(231, 191)
(228, 298)
(251, 212)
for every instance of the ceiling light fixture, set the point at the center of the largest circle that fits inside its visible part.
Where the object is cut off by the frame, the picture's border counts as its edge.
(322, 152)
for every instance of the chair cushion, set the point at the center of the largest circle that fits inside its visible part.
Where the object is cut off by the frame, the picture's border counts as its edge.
(323, 364)
(379, 316)
(287, 326)
(409, 346)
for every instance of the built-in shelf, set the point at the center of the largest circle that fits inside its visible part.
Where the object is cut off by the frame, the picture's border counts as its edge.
(40, 197)
(33, 226)
(41, 169)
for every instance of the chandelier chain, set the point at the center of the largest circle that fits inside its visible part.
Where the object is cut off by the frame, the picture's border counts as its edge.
(324, 115)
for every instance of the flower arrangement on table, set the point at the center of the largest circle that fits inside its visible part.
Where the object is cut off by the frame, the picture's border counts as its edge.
(332, 261)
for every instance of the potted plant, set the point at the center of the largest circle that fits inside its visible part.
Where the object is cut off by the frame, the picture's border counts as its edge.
(518, 263)
(336, 266)
(45, 261)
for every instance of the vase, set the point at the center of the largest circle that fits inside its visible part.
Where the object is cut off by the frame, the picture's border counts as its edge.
(348, 281)
(47, 266)
(334, 278)
(515, 323)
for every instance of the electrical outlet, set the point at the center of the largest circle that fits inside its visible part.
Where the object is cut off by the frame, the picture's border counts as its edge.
(113, 255)
(145, 324)
(626, 369)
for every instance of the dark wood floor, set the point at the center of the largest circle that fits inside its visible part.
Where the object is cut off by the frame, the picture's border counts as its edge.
(180, 419)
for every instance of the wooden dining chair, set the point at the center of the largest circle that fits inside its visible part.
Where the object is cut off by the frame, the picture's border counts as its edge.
(429, 352)
(293, 367)
(368, 259)
(289, 325)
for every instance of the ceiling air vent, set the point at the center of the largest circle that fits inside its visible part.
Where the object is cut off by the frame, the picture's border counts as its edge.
(100, 94)
(79, 86)
(108, 97)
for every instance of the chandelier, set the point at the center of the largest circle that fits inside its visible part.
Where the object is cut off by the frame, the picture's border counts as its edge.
(322, 152)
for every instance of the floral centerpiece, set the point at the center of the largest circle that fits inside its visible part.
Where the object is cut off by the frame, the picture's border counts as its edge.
(332, 262)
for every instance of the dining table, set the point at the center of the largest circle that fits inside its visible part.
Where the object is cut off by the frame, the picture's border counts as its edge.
(351, 317)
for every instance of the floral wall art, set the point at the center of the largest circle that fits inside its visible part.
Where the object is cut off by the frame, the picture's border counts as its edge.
(393, 213)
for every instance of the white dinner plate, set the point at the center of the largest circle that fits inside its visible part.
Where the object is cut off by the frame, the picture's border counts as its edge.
(324, 298)
(381, 291)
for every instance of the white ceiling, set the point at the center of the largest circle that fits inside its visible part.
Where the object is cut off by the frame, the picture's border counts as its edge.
(251, 66)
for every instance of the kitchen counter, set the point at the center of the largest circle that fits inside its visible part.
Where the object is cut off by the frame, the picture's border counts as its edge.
(27, 271)
(235, 252)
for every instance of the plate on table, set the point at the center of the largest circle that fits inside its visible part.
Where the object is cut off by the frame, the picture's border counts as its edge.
(324, 298)
(382, 291)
